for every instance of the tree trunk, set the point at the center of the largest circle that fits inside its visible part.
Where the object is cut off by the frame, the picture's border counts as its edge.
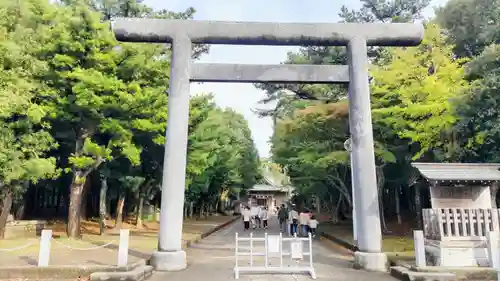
(75, 206)
(102, 204)
(398, 206)
(119, 209)
(138, 222)
(335, 214)
(137, 197)
(83, 205)
(191, 209)
(5, 211)
(408, 196)
(60, 200)
(418, 206)
(20, 211)
(202, 207)
(108, 207)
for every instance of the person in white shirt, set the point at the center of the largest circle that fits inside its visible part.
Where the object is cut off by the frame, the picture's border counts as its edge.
(255, 210)
(246, 218)
(304, 222)
(313, 224)
(264, 216)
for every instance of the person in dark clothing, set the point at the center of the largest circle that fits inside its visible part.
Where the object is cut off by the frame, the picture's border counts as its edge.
(283, 217)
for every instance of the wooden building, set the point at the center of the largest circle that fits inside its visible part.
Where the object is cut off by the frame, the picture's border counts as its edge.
(269, 195)
(463, 209)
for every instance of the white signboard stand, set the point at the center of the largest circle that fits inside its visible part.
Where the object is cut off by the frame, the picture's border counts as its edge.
(273, 244)
(296, 250)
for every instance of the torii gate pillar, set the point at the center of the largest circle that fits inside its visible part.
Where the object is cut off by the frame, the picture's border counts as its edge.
(183, 33)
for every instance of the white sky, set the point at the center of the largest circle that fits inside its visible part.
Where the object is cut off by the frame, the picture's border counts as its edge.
(243, 97)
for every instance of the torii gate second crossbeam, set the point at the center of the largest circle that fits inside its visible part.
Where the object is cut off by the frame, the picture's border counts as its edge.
(182, 34)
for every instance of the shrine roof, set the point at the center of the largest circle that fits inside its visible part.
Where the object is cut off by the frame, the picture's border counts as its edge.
(459, 171)
(266, 187)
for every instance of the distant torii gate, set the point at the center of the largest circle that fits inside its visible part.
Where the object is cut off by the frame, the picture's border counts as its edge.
(183, 33)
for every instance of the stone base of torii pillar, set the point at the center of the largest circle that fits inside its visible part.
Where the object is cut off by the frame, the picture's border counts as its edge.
(371, 261)
(169, 261)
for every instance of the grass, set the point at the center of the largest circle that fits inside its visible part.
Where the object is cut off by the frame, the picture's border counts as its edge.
(397, 243)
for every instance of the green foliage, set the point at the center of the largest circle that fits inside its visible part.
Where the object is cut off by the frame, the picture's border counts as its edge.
(472, 24)
(309, 135)
(24, 136)
(72, 97)
(478, 109)
(311, 145)
(222, 158)
(416, 101)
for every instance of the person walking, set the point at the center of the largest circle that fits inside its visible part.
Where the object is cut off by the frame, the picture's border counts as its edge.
(255, 210)
(304, 222)
(294, 222)
(264, 216)
(246, 218)
(313, 224)
(283, 217)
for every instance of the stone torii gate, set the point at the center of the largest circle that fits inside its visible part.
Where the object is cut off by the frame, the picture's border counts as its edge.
(182, 34)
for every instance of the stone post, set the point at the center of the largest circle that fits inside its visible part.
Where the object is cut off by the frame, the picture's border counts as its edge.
(44, 253)
(492, 247)
(369, 235)
(170, 256)
(123, 247)
(419, 245)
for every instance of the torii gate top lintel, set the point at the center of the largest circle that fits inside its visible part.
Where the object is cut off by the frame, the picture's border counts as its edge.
(266, 33)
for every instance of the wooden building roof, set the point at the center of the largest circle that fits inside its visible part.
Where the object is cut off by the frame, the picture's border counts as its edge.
(456, 172)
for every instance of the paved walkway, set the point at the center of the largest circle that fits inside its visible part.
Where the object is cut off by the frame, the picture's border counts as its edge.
(213, 259)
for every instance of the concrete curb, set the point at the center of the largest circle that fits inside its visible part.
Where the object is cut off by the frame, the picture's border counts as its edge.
(138, 274)
(348, 245)
(406, 274)
(211, 231)
(63, 271)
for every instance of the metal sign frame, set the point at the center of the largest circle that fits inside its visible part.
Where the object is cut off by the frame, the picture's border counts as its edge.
(267, 254)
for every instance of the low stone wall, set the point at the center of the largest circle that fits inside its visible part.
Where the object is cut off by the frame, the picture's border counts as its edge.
(457, 253)
(24, 228)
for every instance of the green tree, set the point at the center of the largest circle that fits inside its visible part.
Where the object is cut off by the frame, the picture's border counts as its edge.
(416, 102)
(286, 95)
(24, 136)
(290, 98)
(311, 145)
(222, 159)
(478, 109)
(97, 103)
(472, 25)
